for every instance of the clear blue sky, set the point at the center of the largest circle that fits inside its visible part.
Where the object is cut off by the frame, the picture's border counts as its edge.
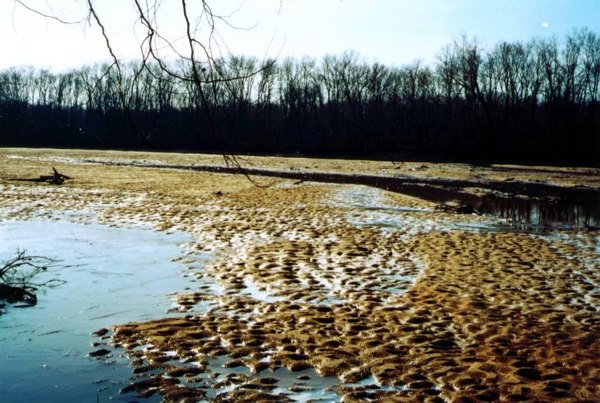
(393, 32)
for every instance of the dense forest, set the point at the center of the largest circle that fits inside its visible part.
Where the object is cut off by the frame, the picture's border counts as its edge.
(533, 102)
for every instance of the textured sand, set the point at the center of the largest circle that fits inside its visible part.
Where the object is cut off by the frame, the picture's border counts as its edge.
(299, 278)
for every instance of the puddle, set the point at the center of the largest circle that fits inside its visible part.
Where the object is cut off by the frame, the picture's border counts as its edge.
(368, 206)
(570, 211)
(258, 293)
(113, 275)
(541, 214)
(534, 214)
(499, 214)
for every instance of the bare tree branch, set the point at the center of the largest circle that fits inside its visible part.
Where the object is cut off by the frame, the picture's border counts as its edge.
(52, 16)
(200, 56)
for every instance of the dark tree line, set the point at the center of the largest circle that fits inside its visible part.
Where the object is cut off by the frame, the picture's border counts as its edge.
(533, 101)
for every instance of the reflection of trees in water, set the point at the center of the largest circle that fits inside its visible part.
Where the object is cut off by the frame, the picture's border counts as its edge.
(544, 213)
(574, 209)
(579, 210)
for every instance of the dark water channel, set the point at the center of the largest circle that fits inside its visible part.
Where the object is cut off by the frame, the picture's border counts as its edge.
(540, 214)
(113, 275)
(530, 213)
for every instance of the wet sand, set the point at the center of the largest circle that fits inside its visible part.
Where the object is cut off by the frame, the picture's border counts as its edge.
(300, 278)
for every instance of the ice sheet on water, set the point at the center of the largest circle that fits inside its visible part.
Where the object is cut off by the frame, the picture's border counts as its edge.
(113, 275)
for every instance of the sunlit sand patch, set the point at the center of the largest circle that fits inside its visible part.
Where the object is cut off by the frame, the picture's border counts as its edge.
(524, 312)
(341, 341)
(433, 335)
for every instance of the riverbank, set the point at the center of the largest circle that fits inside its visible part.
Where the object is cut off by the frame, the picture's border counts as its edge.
(377, 288)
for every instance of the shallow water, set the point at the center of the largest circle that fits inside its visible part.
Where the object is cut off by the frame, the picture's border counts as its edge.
(537, 214)
(368, 206)
(113, 275)
(315, 387)
(542, 215)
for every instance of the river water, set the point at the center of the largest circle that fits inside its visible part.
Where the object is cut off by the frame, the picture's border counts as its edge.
(112, 275)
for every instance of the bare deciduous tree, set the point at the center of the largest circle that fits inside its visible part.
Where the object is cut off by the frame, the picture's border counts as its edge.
(193, 53)
(537, 98)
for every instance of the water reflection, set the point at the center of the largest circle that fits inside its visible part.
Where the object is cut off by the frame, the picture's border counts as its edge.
(526, 213)
(542, 214)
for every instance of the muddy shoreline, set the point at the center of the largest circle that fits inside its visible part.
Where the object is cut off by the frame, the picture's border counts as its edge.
(519, 200)
(378, 290)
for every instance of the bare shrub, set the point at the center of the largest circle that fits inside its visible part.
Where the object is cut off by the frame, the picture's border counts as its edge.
(17, 274)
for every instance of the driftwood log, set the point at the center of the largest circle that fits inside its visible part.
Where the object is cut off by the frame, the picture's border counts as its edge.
(55, 179)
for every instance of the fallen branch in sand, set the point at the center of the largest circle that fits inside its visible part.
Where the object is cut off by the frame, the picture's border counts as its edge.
(55, 179)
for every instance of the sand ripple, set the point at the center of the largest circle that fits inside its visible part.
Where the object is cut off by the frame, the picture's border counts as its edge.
(293, 284)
